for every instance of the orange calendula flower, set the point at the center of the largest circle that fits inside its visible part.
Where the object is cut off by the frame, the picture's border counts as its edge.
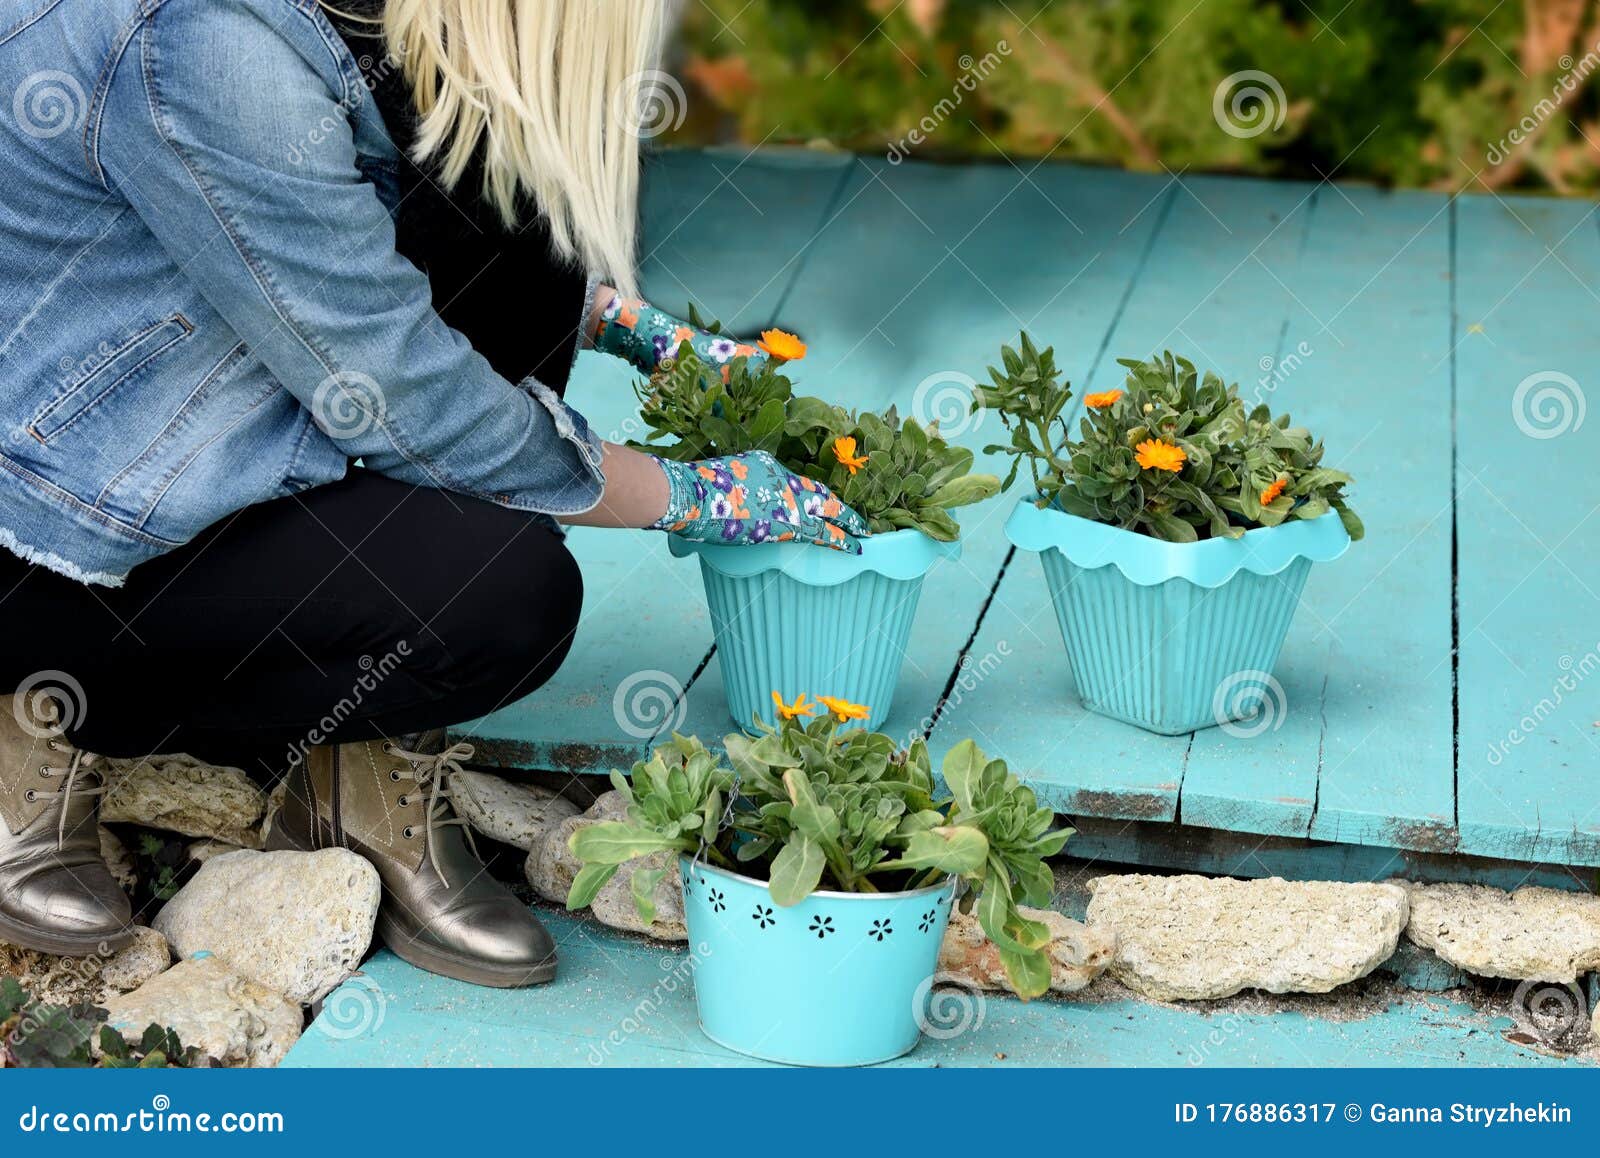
(784, 347)
(1102, 400)
(844, 449)
(844, 709)
(1273, 492)
(1153, 454)
(798, 708)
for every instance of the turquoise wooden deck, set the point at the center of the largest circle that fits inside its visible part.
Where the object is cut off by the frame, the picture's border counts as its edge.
(1434, 676)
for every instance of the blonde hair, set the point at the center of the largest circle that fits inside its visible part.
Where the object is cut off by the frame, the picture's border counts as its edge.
(545, 92)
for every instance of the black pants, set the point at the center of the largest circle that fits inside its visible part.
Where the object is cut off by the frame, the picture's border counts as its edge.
(366, 608)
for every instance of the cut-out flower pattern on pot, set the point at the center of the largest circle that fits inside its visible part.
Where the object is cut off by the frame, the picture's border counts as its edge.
(717, 902)
(822, 926)
(763, 917)
(928, 919)
(881, 929)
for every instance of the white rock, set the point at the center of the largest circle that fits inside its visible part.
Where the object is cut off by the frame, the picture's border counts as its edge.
(231, 1018)
(552, 866)
(204, 850)
(520, 815)
(297, 922)
(1187, 938)
(1533, 934)
(91, 980)
(183, 795)
(1078, 953)
(118, 860)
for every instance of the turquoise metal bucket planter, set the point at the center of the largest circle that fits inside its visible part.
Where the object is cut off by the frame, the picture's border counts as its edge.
(794, 618)
(841, 979)
(1173, 637)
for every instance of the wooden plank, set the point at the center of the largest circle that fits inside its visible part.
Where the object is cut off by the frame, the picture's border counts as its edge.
(1212, 287)
(919, 279)
(1369, 652)
(622, 1001)
(1527, 533)
(1189, 848)
(644, 630)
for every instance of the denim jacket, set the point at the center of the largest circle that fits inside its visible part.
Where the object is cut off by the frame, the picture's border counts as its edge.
(201, 304)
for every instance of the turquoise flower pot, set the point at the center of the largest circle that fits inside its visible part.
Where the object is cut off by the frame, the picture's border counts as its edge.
(794, 618)
(841, 979)
(1174, 637)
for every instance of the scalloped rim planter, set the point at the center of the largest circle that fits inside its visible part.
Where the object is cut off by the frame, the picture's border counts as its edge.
(841, 979)
(1173, 637)
(795, 618)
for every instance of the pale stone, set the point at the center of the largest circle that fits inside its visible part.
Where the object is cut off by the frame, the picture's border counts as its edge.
(231, 1018)
(204, 850)
(118, 860)
(520, 815)
(297, 922)
(1189, 938)
(1078, 953)
(1533, 934)
(91, 980)
(179, 794)
(552, 866)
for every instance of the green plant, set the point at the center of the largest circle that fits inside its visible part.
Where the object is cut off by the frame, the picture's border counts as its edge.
(38, 1036)
(894, 472)
(808, 806)
(1173, 455)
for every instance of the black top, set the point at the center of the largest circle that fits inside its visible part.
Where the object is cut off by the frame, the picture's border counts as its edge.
(506, 290)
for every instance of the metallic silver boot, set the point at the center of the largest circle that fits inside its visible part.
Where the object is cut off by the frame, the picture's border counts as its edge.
(441, 910)
(56, 893)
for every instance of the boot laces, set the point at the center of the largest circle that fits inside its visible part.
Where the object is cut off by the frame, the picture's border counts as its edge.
(433, 773)
(78, 767)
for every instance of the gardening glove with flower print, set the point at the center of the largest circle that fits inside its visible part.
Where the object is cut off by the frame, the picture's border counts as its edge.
(634, 330)
(751, 498)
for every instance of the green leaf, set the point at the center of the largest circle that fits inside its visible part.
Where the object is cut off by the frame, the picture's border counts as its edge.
(954, 850)
(796, 871)
(962, 765)
(615, 842)
(587, 883)
(643, 887)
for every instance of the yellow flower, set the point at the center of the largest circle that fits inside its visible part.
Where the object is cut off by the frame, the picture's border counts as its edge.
(798, 708)
(784, 347)
(844, 709)
(844, 449)
(1273, 492)
(1153, 454)
(1102, 400)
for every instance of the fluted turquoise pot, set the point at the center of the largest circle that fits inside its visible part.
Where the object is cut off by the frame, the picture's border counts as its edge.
(1174, 637)
(799, 619)
(841, 979)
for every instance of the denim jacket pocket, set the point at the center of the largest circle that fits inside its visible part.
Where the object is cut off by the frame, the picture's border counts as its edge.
(116, 367)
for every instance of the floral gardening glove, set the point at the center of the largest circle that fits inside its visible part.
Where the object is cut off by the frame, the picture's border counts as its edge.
(634, 330)
(752, 498)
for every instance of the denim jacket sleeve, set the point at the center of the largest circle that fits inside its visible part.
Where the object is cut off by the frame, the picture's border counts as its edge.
(230, 127)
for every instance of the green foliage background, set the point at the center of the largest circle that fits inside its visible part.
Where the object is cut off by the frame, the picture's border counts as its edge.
(1406, 92)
